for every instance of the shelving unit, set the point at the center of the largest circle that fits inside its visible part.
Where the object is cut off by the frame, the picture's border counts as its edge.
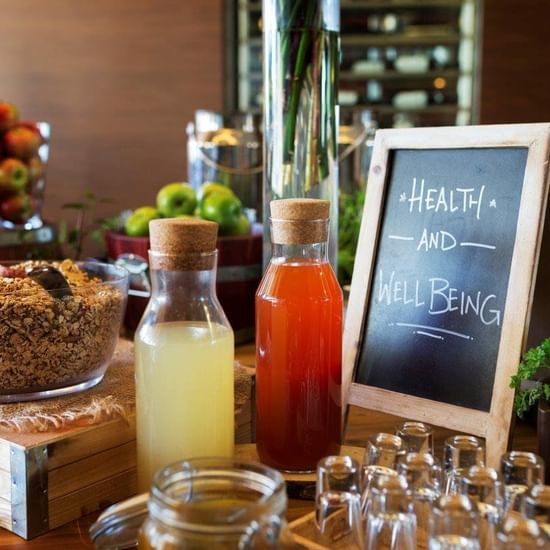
(410, 62)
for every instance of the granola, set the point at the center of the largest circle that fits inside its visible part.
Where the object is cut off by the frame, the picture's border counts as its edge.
(48, 342)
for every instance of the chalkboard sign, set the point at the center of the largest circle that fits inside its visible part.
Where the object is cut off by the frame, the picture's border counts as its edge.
(445, 268)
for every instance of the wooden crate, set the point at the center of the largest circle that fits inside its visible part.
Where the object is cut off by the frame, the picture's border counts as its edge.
(48, 479)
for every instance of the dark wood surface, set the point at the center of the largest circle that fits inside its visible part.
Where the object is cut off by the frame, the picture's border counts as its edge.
(361, 423)
(515, 81)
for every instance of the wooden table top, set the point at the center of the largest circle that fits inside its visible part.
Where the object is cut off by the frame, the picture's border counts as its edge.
(360, 425)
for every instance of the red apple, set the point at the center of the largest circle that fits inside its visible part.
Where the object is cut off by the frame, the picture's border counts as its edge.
(15, 208)
(14, 175)
(9, 115)
(22, 142)
(31, 125)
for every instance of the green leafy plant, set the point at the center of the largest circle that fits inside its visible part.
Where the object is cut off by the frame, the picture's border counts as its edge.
(349, 223)
(74, 237)
(308, 60)
(535, 359)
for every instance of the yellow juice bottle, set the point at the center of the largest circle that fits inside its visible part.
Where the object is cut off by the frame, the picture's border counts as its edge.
(184, 351)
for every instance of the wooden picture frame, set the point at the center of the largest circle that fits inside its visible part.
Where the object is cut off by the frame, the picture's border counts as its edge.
(494, 424)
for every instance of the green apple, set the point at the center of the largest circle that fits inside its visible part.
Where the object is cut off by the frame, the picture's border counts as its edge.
(14, 175)
(210, 187)
(243, 227)
(223, 209)
(176, 198)
(137, 224)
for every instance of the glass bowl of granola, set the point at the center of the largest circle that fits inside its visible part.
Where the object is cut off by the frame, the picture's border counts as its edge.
(59, 325)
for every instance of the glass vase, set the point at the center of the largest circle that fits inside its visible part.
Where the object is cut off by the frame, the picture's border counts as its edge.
(301, 56)
(24, 176)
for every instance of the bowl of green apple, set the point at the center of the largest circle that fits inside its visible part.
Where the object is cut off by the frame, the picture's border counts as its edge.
(239, 248)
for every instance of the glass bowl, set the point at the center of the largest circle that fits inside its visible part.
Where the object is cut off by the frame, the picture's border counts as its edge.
(21, 201)
(54, 339)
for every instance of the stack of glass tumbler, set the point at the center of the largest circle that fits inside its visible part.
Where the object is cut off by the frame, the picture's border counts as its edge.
(403, 498)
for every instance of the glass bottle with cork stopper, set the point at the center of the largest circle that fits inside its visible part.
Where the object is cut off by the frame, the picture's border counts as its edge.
(184, 352)
(299, 310)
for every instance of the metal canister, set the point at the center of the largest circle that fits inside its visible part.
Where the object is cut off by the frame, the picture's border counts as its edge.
(227, 149)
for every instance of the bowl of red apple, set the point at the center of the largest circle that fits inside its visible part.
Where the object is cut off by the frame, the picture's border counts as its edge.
(24, 151)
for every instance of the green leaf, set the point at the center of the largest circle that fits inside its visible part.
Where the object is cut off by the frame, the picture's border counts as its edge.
(62, 232)
(75, 205)
(532, 361)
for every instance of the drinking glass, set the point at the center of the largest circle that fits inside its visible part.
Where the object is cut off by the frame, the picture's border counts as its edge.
(338, 503)
(485, 488)
(453, 524)
(391, 523)
(536, 505)
(384, 450)
(422, 474)
(520, 470)
(382, 453)
(519, 533)
(417, 437)
(371, 475)
(338, 474)
(460, 453)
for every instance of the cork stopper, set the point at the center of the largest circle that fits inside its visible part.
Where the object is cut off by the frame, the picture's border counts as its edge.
(182, 244)
(299, 221)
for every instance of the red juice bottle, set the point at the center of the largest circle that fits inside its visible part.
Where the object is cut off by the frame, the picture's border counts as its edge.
(299, 312)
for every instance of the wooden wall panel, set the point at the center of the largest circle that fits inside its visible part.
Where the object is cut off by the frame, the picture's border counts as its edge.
(515, 87)
(515, 61)
(118, 80)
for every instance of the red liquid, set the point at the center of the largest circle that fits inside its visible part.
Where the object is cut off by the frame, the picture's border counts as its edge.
(298, 364)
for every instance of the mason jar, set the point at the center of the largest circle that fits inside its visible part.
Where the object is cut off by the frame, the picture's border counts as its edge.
(216, 503)
(203, 503)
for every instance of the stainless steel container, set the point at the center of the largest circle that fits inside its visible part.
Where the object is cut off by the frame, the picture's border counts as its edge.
(227, 149)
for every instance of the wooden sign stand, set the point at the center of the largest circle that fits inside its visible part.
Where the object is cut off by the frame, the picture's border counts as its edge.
(491, 422)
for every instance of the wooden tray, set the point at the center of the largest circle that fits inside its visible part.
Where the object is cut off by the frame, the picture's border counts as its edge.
(299, 486)
(304, 531)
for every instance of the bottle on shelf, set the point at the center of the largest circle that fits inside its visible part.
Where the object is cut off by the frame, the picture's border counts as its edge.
(184, 350)
(299, 314)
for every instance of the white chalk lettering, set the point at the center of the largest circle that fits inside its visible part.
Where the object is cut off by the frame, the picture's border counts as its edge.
(414, 198)
(445, 299)
(384, 289)
(441, 240)
(441, 199)
(391, 291)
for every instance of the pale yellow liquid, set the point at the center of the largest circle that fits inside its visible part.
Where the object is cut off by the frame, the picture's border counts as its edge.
(184, 394)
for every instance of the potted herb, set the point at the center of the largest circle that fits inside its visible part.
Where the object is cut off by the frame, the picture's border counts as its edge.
(532, 385)
(532, 380)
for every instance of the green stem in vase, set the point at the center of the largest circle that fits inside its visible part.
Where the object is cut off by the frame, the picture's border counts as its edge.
(295, 92)
(322, 99)
(311, 149)
(307, 55)
(301, 20)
